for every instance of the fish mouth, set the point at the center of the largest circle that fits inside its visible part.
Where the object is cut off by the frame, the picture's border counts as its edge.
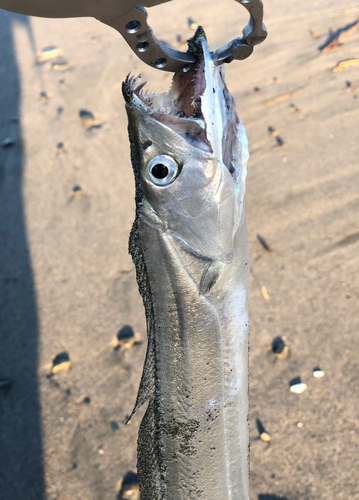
(198, 106)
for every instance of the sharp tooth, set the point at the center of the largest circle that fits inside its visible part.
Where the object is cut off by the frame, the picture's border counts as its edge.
(140, 87)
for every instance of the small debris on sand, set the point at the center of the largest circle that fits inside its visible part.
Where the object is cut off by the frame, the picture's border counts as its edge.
(62, 81)
(77, 190)
(265, 437)
(279, 98)
(126, 338)
(263, 434)
(61, 362)
(345, 64)
(272, 131)
(257, 90)
(318, 373)
(5, 386)
(264, 292)
(7, 143)
(276, 80)
(181, 39)
(263, 242)
(48, 53)
(128, 488)
(94, 40)
(192, 24)
(294, 107)
(334, 38)
(86, 400)
(61, 65)
(312, 34)
(300, 424)
(279, 348)
(60, 147)
(349, 85)
(280, 141)
(43, 97)
(297, 386)
(88, 119)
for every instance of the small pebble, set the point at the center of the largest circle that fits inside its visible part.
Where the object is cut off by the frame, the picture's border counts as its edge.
(297, 386)
(61, 362)
(318, 373)
(126, 338)
(94, 40)
(349, 85)
(276, 80)
(61, 65)
(5, 386)
(284, 159)
(300, 424)
(60, 147)
(312, 34)
(87, 119)
(7, 143)
(279, 348)
(192, 24)
(101, 451)
(279, 141)
(256, 89)
(128, 487)
(181, 39)
(43, 97)
(49, 53)
(86, 400)
(294, 107)
(265, 437)
(263, 434)
(77, 190)
(272, 131)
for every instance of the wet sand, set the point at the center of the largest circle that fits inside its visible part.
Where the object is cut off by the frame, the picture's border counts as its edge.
(68, 283)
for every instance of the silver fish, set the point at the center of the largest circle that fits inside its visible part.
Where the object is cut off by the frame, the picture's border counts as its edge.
(189, 152)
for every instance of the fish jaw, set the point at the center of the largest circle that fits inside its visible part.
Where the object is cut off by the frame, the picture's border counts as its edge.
(196, 124)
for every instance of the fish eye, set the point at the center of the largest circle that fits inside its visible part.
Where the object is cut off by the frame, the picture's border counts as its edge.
(162, 170)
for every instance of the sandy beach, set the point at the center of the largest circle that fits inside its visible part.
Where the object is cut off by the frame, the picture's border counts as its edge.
(67, 283)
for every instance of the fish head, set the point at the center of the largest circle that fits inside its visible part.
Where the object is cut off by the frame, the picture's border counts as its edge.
(189, 154)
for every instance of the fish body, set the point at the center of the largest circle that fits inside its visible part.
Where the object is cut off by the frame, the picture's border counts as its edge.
(189, 152)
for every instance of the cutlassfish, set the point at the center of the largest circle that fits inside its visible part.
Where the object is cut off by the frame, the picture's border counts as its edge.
(189, 152)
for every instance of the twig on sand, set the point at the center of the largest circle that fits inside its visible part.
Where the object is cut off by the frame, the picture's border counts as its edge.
(270, 102)
(345, 64)
(336, 37)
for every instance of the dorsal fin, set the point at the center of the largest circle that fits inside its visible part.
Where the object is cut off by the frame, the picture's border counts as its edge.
(147, 384)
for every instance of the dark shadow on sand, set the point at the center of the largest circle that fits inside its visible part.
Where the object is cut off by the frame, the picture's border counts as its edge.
(21, 461)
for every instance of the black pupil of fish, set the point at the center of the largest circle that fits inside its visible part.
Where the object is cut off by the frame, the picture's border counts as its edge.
(159, 171)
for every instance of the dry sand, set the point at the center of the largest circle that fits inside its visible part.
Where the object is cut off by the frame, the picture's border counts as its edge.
(68, 284)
